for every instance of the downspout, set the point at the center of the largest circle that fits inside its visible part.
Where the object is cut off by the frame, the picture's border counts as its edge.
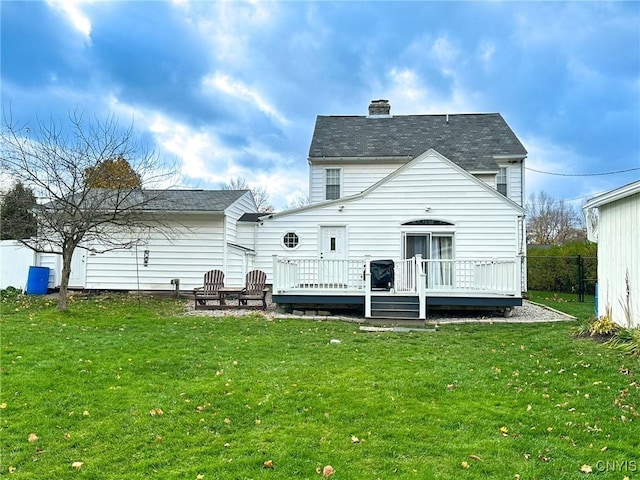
(522, 227)
(224, 242)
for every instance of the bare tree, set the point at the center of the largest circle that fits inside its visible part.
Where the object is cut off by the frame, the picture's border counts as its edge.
(298, 202)
(551, 221)
(260, 194)
(72, 212)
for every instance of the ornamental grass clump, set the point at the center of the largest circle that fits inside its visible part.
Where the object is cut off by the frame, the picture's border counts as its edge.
(626, 340)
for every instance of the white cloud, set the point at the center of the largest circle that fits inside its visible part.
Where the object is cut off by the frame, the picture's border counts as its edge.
(443, 51)
(74, 14)
(411, 95)
(204, 158)
(229, 26)
(235, 88)
(486, 51)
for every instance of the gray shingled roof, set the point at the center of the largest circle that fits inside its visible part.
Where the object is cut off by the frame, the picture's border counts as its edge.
(161, 200)
(192, 200)
(470, 140)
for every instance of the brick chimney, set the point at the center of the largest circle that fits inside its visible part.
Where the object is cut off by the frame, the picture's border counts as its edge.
(379, 107)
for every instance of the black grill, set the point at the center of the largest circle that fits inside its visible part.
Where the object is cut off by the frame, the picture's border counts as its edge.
(382, 274)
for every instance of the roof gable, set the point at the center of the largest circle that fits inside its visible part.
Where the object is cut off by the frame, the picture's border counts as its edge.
(429, 153)
(469, 140)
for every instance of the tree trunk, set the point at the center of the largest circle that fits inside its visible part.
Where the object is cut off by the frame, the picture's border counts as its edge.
(67, 254)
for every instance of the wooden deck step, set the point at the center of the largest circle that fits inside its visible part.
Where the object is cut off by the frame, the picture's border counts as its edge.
(392, 307)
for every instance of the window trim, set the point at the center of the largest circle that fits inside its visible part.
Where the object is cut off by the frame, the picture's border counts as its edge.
(326, 184)
(506, 180)
(283, 241)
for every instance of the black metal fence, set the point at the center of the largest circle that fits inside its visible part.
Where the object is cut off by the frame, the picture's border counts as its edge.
(568, 274)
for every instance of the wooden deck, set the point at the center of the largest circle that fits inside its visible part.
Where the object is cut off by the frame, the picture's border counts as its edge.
(417, 284)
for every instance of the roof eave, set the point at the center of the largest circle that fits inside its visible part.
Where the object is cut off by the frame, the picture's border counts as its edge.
(613, 195)
(360, 159)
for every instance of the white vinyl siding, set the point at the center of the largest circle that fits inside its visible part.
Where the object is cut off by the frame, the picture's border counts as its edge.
(187, 255)
(510, 175)
(355, 178)
(619, 257)
(486, 225)
(234, 212)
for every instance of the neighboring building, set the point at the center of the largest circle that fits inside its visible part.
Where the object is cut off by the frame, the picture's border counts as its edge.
(613, 221)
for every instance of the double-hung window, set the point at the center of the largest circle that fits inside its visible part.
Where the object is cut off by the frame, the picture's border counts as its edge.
(501, 181)
(332, 183)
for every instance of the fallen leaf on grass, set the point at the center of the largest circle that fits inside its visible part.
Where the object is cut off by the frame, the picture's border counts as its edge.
(327, 471)
(586, 469)
(354, 439)
(12, 469)
(32, 438)
(3, 405)
(227, 420)
(268, 464)
(200, 476)
(504, 431)
(77, 465)
(156, 411)
(465, 464)
(475, 457)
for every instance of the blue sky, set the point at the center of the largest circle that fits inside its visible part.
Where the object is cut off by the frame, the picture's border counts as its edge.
(232, 89)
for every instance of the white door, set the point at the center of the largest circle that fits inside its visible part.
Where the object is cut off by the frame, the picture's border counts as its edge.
(333, 257)
(78, 268)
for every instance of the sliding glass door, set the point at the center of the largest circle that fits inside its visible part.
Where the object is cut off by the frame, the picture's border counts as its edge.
(437, 249)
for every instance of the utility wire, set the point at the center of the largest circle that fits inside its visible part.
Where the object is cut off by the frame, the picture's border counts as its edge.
(581, 174)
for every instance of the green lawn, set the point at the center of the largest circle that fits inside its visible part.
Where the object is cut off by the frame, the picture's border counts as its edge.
(566, 302)
(137, 390)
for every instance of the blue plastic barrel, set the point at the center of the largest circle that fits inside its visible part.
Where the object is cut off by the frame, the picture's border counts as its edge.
(38, 280)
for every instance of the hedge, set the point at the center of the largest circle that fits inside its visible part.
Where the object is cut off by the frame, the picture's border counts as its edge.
(555, 268)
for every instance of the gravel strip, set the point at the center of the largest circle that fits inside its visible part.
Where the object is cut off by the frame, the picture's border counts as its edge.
(529, 312)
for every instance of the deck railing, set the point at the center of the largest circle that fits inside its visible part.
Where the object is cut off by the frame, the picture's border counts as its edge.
(493, 275)
(477, 275)
(299, 274)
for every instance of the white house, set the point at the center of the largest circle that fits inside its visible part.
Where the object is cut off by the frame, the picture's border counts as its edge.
(439, 195)
(204, 235)
(405, 212)
(613, 221)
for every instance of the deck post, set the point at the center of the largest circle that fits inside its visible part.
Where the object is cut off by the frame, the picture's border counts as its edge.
(367, 286)
(276, 275)
(421, 283)
(518, 281)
